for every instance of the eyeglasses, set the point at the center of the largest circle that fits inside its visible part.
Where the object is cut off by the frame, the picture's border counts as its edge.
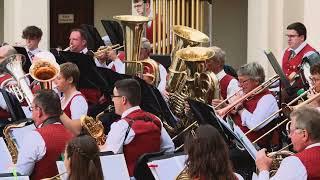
(291, 131)
(314, 79)
(242, 82)
(292, 35)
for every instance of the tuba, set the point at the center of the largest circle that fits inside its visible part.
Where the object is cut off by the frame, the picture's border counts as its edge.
(13, 66)
(44, 71)
(184, 37)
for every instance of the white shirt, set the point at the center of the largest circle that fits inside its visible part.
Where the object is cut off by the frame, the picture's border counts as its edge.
(233, 86)
(291, 168)
(266, 106)
(34, 52)
(163, 78)
(117, 134)
(78, 106)
(119, 66)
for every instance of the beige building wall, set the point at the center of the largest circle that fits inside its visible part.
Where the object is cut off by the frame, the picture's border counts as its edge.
(107, 9)
(1, 21)
(21, 13)
(230, 29)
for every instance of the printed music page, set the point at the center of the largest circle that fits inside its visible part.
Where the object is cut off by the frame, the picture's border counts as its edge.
(169, 168)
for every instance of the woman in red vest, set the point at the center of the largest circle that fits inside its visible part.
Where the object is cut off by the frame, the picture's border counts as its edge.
(82, 159)
(73, 102)
(304, 132)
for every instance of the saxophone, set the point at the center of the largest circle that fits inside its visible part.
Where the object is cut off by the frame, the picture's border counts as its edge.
(12, 146)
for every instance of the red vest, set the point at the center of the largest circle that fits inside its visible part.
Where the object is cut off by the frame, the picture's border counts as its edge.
(67, 109)
(146, 139)
(251, 105)
(92, 95)
(224, 83)
(310, 158)
(55, 136)
(291, 66)
(3, 113)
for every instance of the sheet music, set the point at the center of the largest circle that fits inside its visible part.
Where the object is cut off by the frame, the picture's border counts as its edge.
(14, 178)
(113, 167)
(246, 142)
(18, 133)
(5, 157)
(167, 169)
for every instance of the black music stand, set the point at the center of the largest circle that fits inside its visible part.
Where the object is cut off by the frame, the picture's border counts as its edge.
(94, 40)
(165, 60)
(114, 31)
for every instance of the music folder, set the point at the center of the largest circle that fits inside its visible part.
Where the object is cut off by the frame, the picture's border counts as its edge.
(27, 63)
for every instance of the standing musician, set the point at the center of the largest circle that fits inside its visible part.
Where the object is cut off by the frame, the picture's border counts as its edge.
(73, 103)
(304, 132)
(32, 36)
(256, 109)
(296, 51)
(42, 147)
(228, 84)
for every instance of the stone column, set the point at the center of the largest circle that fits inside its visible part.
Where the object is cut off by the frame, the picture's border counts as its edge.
(19, 14)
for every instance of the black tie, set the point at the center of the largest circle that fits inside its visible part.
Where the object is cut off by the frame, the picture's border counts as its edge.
(31, 55)
(292, 54)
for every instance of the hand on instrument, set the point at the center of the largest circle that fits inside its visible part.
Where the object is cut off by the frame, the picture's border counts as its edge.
(262, 161)
(112, 55)
(165, 95)
(215, 102)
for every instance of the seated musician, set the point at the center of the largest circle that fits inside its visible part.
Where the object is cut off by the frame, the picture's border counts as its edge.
(207, 147)
(315, 83)
(82, 159)
(42, 147)
(304, 132)
(256, 109)
(137, 132)
(228, 84)
(32, 36)
(73, 103)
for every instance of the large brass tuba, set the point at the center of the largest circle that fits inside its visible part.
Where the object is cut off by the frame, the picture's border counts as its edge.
(184, 37)
(13, 66)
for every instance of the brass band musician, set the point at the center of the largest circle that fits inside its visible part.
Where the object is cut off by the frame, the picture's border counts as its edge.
(304, 132)
(32, 36)
(41, 148)
(228, 84)
(256, 109)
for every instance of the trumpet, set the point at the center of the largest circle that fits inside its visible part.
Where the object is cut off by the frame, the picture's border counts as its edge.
(67, 48)
(224, 111)
(104, 49)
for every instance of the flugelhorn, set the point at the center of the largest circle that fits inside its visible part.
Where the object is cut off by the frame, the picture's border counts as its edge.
(224, 111)
(102, 50)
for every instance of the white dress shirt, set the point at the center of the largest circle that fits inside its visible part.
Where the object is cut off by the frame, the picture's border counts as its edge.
(33, 52)
(266, 106)
(163, 78)
(118, 130)
(291, 168)
(233, 86)
(119, 66)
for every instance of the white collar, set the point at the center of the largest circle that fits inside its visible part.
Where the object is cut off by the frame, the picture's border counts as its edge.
(35, 51)
(313, 145)
(130, 110)
(298, 49)
(84, 51)
(221, 74)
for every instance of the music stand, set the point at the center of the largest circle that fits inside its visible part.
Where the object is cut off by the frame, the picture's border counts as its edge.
(165, 60)
(114, 31)
(27, 63)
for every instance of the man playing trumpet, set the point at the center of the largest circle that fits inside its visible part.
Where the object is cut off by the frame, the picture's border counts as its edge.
(304, 132)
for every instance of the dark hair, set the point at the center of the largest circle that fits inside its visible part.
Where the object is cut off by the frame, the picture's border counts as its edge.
(299, 27)
(129, 88)
(83, 34)
(70, 70)
(48, 101)
(31, 32)
(83, 152)
(208, 156)
(315, 69)
(309, 119)
(136, 1)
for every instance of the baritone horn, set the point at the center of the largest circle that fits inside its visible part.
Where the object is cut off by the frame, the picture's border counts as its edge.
(44, 71)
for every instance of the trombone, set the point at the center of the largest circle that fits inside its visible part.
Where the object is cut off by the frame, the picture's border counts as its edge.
(227, 99)
(224, 111)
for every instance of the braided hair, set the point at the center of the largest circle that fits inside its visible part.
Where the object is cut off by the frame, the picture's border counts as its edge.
(83, 153)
